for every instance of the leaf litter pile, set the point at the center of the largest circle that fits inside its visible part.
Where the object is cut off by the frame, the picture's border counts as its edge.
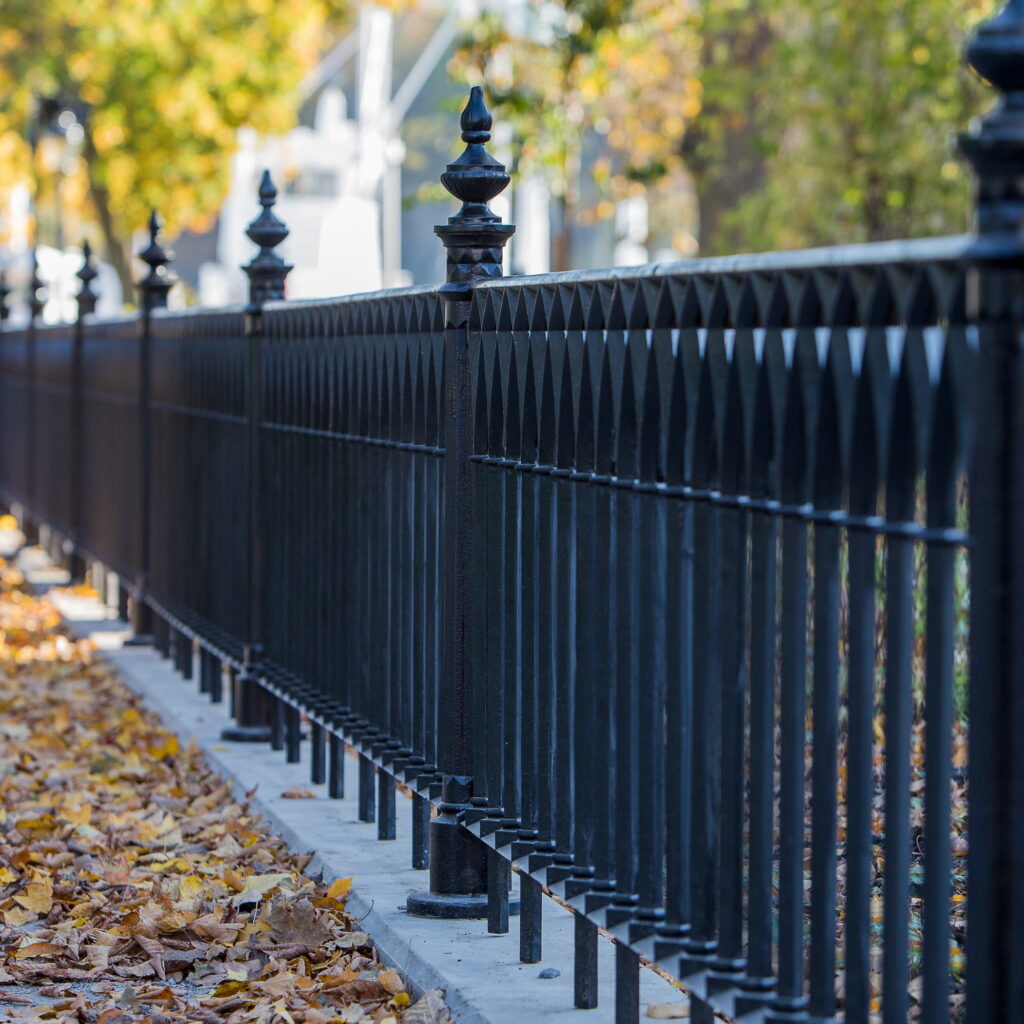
(133, 887)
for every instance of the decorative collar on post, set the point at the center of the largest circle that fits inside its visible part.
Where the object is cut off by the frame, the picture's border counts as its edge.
(158, 282)
(995, 142)
(36, 291)
(475, 236)
(267, 270)
(87, 273)
(5, 310)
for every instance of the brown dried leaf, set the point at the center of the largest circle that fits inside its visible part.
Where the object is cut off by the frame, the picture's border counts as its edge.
(429, 1009)
(298, 922)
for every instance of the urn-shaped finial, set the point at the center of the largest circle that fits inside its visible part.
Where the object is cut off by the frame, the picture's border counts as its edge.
(158, 282)
(36, 289)
(87, 273)
(475, 177)
(267, 270)
(5, 291)
(994, 144)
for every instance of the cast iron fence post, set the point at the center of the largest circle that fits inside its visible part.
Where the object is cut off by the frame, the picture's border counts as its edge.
(36, 301)
(266, 272)
(153, 289)
(995, 147)
(475, 239)
(86, 297)
(5, 310)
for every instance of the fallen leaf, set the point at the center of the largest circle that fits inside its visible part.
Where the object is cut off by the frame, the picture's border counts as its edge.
(668, 1011)
(429, 1009)
(339, 887)
(297, 922)
(36, 949)
(257, 886)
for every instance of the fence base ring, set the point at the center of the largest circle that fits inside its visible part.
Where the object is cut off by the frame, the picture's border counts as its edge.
(453, 906)
(246, 734)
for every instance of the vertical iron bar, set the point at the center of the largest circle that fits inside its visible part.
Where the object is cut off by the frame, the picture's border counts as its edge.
(386, 806)
(585, 964)
(318, 754)
(707, 706)
(420, 831)
(499, 881)
(292, 734)
(277, 707)
(792, 703)
(821, 957)
(901, 496)
(367, 804)
(627, 985)
(939, 654)
(764, 536)
(861, 703)
(531, 912)
(336, 766)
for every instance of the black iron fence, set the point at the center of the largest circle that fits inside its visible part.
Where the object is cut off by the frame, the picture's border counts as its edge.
(653, 583)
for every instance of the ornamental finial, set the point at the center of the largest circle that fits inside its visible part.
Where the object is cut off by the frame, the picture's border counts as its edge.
(994, 144)
(36, 289)
(87, 273)
(158, 282)
(475, 177)
(5, 310)
(267, 270)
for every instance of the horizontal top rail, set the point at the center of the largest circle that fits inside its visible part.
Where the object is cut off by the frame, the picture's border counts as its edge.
(950, 249)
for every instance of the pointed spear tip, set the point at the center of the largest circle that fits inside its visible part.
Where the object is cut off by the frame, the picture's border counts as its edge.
(476, 118)
(268, 190)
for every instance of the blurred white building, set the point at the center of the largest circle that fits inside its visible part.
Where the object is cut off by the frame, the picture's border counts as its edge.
(345, 185)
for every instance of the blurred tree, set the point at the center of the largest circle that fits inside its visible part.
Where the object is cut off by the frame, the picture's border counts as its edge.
(829, 122)
(161, 88)
(624, 70)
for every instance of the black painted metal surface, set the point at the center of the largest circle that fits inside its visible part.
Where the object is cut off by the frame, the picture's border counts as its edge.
(642, 577)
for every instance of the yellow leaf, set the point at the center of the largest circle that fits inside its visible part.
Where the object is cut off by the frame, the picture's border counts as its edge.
(228, 988)
(401, 999)
(190, 887)
(37, 897)
(17, 916)
(282, 1011)
(339, 887)
(78, 815)
(166, 748)
(257, 886)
